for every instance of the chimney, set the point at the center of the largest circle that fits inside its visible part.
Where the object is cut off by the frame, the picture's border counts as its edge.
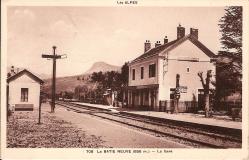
(194, 32)
(165, 40)
(158, 43)
(12, 70)
(147, 46)
(180, 32)
(17, 70)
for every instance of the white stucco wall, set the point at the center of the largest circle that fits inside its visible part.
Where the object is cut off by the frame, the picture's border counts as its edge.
(24, 82)
(146, 80)
(191, 79)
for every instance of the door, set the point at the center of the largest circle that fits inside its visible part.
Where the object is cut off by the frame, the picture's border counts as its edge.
(201, 99)
(152, 98)
(141, 98)
(133, 99)
(172, 97)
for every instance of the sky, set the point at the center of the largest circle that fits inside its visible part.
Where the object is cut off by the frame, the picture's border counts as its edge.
(114, 35)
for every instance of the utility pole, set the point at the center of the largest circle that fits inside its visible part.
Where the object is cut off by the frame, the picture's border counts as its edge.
(39, 119)
(7, 102)
(177, 93)
(54, 56)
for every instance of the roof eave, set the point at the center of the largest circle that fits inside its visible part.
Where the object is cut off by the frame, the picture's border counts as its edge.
(139, 60)
(23, 72)
(174, 44)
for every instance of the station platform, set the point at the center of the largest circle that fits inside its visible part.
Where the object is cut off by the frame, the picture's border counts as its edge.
(190, 118)
(215, 121)
(99, 106)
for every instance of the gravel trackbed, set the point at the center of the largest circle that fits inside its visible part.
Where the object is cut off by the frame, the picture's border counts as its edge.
(24, 132)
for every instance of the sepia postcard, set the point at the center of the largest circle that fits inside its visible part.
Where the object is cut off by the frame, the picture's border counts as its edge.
(124, 79)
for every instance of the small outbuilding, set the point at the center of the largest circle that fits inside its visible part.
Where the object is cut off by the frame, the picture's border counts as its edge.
(23, 91)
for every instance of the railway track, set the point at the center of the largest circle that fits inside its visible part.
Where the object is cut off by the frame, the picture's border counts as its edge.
(189, 135)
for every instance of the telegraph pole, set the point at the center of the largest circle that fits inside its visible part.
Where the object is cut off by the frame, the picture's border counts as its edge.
(39, 119)
(54, 56)
(54, 81)
(177, 93)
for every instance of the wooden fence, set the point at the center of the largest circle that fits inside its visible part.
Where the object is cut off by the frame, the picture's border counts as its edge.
(183, 106)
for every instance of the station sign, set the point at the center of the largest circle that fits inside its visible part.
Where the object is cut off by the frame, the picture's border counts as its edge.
(183, 89)
(191, 59)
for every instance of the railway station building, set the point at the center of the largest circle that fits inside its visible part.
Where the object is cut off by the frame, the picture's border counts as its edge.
(152, 75)
(23, 90)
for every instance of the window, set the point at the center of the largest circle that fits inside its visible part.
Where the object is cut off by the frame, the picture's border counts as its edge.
(24, 94)
(188, 69)
(200, 91)
(142, 72)
(152, 70)
(133, 74)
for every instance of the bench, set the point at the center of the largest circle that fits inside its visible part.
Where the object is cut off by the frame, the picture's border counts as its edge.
(24, 107)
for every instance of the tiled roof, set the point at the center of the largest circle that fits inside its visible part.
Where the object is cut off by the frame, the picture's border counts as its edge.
(202, 47)
(155, 50)
(19, 74)
(174, 43)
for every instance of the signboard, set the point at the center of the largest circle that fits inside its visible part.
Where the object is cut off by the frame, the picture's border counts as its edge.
(191, 59)
(177, 93)
(183, 89)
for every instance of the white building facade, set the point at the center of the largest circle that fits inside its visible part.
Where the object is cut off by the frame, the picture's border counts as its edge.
(152, 76)
(24, 91)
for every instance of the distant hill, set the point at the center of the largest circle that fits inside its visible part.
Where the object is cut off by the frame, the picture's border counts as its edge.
(44, 76)
(102, 66)
(68, 83)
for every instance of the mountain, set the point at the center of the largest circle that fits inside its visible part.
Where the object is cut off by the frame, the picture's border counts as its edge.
(44, 76)
(102, 66)
(68, 83)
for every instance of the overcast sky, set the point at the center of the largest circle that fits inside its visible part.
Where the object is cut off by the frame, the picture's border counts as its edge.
(90, 34)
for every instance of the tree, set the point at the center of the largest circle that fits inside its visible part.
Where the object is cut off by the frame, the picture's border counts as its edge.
(206, 90)
(111, 80)
(97, 77)
(77, 91)
(68, 95)
(229, 62)
(124, 77)
(125, 74)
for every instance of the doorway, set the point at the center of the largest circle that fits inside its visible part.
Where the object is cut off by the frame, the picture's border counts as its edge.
(152, 99)
(133, 99)
(201, 99)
